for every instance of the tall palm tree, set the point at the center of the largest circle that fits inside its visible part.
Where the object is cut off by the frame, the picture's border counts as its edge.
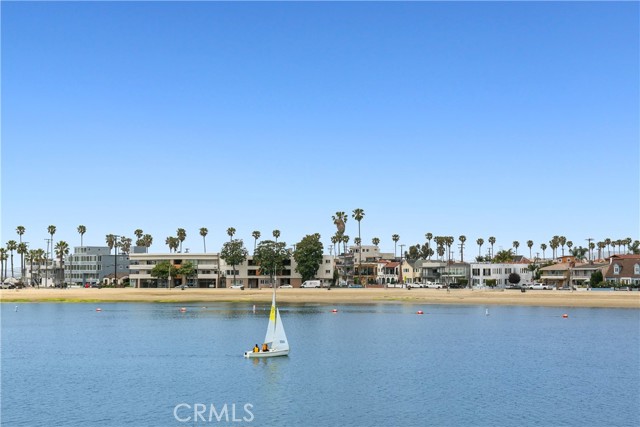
(530, 245)
(563, 241)
(395, 239)
(428, 236)
(516, 245)
(138, 233)
(256, 236)
(81, 230)
(569, 245)
(543, 246)
(110, 240)
(345, 241)
(492, 241)
(358, 214)
(147, 241)
(375, 241)
(336, 239)
(607, 242)
(480, 242)
(276, 234)
(51, 230)
(462, 239)
(592, 246)
(230, 232)
(22, 250)
(12, 246)
(62, 249)
(182, 234)
(21, 230)
(628, 240)
(203, 233)
(340, 220)
(3, 264)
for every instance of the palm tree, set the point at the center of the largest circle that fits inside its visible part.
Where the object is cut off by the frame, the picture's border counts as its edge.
(607, 242)
(375, 241)
(563, 241)
(592, 246)
(173, 243)
(110, 240)
(3, 264)
(336, 239)
(530, 245)
(428, 236)
(22, 250)
(256, 236)
(516, 244)
(395, 239)
(357, 241)
(492, 241)
(628, 241)
(81, 230)
(569, 245)
(276, 234)
(21, 230)
(462, 239)
(543, 246)
(340, 220)
(147, 241)
(230, 232)
(12, 246)
(182, 234)
(203, 233)
(345, 241)
(480, 242)
(62, 249)
(51, 230)
(358, 214)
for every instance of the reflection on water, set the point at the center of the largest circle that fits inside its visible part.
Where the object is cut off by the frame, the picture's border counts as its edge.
(377, 364)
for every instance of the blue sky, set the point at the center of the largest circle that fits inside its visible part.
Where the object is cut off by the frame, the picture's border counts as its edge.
(517, 120)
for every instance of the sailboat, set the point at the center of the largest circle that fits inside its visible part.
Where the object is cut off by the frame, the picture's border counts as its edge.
(275, 338)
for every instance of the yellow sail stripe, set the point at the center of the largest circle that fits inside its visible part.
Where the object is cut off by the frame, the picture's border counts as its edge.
(272, 315)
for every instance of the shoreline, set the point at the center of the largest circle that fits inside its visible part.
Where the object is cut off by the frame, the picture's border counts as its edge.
(601, 299)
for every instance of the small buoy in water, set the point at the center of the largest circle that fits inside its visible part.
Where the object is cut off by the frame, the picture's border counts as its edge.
(335, 310)
(486, 312)
(420, 312)
(98, 309)
(254, 308)
(564, 316)
(16, 308)
(183, 309)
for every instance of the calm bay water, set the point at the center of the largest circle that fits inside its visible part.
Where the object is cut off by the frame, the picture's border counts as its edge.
(367, 365)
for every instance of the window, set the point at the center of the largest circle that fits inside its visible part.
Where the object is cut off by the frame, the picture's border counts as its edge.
(636, 269)
(616, 269)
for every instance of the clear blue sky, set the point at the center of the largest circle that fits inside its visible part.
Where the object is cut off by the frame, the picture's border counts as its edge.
(517, 120)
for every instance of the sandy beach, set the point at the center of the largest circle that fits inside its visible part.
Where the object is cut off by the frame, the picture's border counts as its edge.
(620, 299)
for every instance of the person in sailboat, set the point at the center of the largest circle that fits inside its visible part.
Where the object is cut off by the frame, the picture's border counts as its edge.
(265, 347)
(256, 349)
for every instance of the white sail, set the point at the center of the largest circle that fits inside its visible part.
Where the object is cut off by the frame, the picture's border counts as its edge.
(280, 338)
(271, 327)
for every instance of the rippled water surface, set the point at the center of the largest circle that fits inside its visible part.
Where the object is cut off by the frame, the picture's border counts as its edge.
(366, 365)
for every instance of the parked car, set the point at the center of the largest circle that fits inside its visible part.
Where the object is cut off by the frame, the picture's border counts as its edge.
(539, 286)
(8, 286)
(433, 285)
(237, 287)
(416, 285)
(286, 287)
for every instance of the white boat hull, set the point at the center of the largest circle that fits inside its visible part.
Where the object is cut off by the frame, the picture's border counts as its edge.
(270, 353)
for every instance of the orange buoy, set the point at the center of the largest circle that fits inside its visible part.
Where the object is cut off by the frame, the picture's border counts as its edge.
(335, 310)
(564, 316)
(98, 309)
(420, 312)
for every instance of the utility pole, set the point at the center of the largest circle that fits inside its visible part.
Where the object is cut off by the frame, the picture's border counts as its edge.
(400, 269)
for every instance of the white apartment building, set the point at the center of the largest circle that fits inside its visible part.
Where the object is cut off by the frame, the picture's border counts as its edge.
(212, 272)
(481, 272)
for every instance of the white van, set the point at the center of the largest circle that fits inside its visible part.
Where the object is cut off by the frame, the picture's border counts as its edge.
(311, 284)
